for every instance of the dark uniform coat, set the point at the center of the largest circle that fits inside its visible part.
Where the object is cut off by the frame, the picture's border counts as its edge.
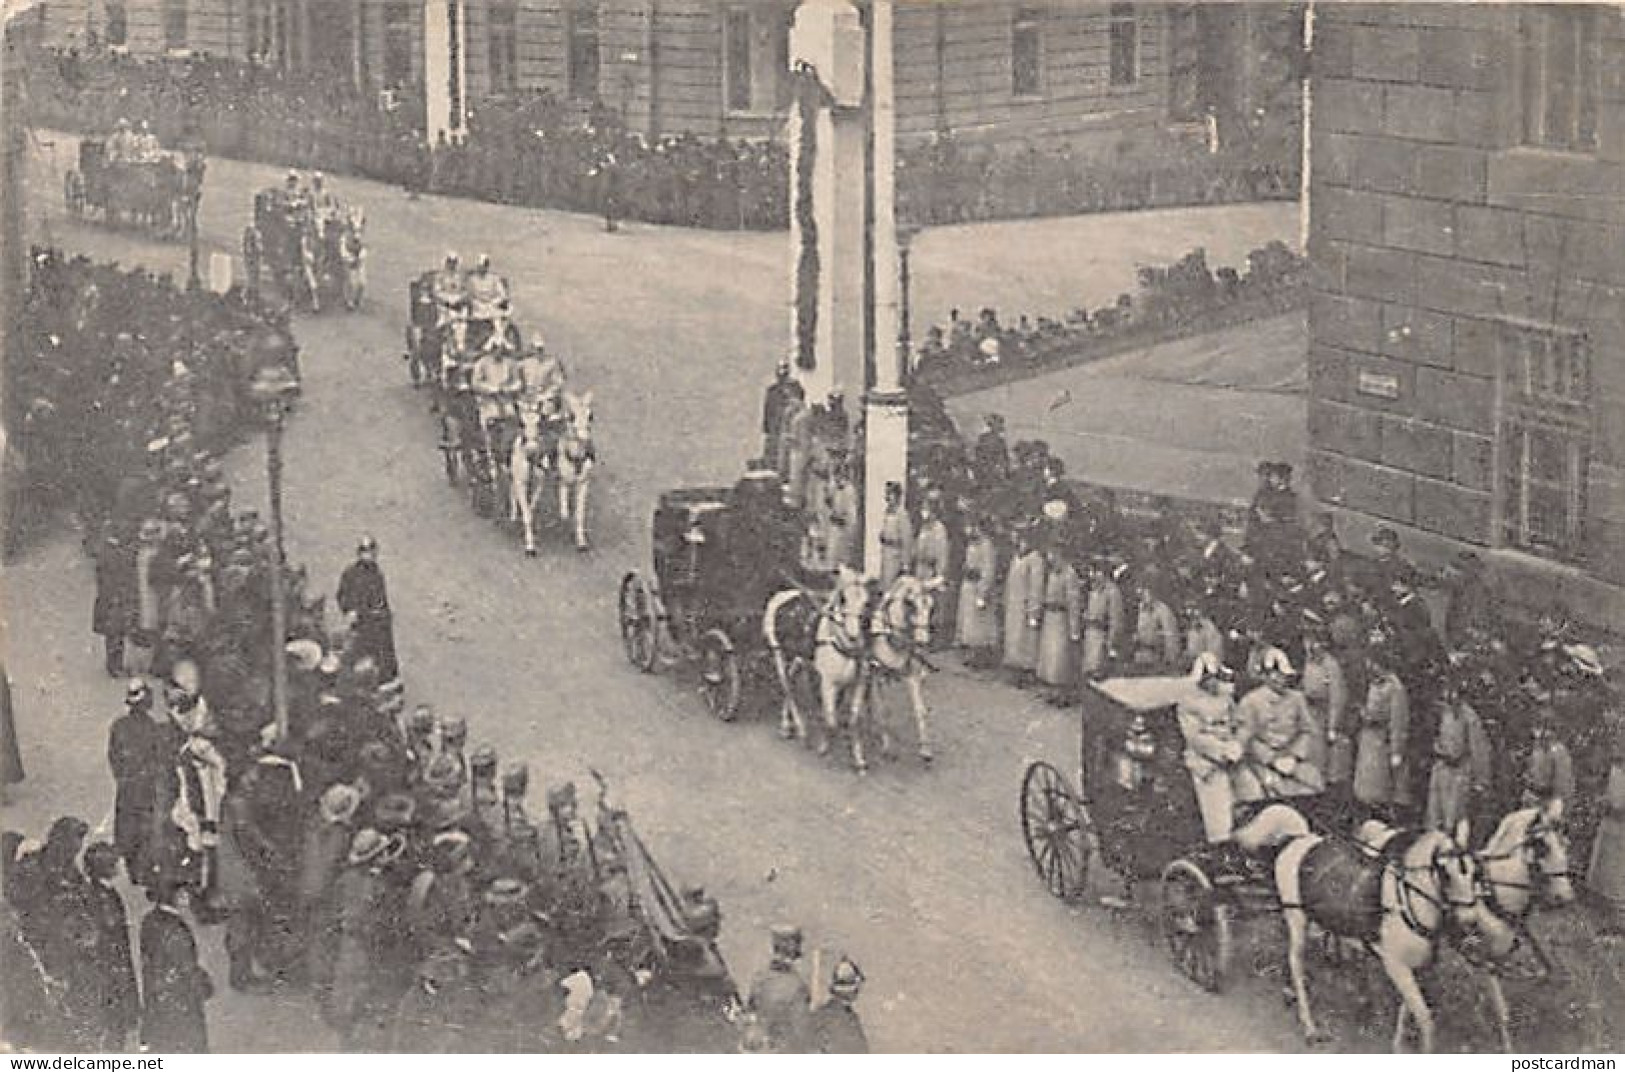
(783, 1008)
(141, 752)
(174, 986)
(837, 1029)
(116, 1002)
(362, 593)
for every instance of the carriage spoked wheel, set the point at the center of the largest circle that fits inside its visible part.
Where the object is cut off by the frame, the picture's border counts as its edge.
(1056, 829)
(638, 636)
(719, 675)
(1196, 923)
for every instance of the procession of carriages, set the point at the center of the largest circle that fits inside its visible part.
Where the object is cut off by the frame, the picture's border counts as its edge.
(157, 193)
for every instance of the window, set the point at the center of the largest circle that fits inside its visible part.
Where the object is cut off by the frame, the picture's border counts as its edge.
(174, 24)
(1560, 77)
(1545, 438)
(501, 42)
(399, 41)
(756, 54)
(118, 26)
(584, 60)
(1125, 46)
(1027, 52)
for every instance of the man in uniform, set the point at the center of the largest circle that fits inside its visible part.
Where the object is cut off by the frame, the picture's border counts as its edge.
(779, 998)
(541, 381)
(1212, 745)
(487, 291)
(139, 750)
(991, 456)
(174, 986)
(496, 384)
(896, 537)
(1277, 732)
(448, 286)
(364, 599)
(776, 411)
(836, 1027)
(120, 144)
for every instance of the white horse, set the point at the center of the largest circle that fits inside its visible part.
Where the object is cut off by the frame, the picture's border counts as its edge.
(1525, 862)
(353, 258)
(900, 630)
(1397, 901)
(528, 463)
(574, 462)
(824, 636)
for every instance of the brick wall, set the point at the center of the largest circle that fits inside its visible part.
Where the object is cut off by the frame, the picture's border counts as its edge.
(1431, 223)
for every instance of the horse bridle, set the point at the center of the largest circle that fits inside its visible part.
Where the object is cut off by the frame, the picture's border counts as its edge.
(1533, 845)
(1449, 907)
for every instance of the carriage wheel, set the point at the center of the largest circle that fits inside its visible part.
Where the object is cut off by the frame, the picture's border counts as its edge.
(638, 636)
(1056, 828)
(1196, 924)
(719, 675)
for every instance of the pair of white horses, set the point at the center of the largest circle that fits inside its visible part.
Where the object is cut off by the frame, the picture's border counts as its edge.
(567, 453)
(1401, 896)
(849, 642)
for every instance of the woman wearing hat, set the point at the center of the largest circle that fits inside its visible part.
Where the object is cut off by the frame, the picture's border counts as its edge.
(1605, 876)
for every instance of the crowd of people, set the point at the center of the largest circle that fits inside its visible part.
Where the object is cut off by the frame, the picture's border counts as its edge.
(532, 148)
(1353, 686)
(1187, 294)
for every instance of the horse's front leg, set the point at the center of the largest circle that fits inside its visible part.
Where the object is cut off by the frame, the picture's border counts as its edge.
(789, 718)
(1297, 935)
(861, 715)
(1503, 1013)
(829, 697)
(582, 483)
(915, 680)
(1412, 1001)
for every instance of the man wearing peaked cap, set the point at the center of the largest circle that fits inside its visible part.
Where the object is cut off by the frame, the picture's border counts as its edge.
(779, 999)
(836, 1027)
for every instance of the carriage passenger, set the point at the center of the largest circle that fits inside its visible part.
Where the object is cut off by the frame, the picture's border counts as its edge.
(487, 291)
(120, 147)
(1212, 744)
(541, 381)
(495, 381)
(448, 286)
(1277, 733)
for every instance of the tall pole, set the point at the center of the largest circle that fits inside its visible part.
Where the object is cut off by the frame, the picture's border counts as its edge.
(1305, 158)
(885, 405)
(279, 593)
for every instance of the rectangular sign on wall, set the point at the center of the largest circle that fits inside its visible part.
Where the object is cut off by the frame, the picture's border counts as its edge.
(1377, 385)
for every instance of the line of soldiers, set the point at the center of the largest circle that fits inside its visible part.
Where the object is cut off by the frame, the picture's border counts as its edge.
(1378, 699)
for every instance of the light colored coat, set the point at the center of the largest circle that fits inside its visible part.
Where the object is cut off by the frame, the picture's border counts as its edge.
(1023, 586)
(1211, 749)
(1278, 732)
(1379, 753)
(1327, 692)
(1061, 622)
(1156, 636)
(978, 625)
(1461, 762)
(845, 539)
(896, 546)
(1102, 624)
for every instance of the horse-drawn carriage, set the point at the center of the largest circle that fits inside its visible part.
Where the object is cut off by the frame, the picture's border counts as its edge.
(158, 193)
(316, 255)
(719, 555)
(1401, 895)
(509, 427)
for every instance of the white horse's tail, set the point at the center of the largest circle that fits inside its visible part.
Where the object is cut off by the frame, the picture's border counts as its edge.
(770, 616)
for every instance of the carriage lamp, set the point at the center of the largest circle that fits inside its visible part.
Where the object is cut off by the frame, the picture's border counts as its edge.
(1139, 747)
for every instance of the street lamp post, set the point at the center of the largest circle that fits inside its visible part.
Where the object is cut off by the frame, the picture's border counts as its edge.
(272, 387)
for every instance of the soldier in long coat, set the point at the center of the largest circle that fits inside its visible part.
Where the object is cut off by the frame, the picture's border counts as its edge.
(1060, 624)
(1605, 876)
(363, 596)
(1325, 689)
(1461, 763)
(1102, 621)
(836, 1026)
(896, 538)
(797, 450)
(1385, 720)
(1023, 600)
(845, 535)
(978, 624)
(932, 553)
(1157, 638)
(174, 986)
(779, 998)
(775, 412)
(140, 751)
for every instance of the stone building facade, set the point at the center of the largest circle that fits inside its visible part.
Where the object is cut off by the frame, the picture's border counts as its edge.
(1467, 357)
(1002, 70)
